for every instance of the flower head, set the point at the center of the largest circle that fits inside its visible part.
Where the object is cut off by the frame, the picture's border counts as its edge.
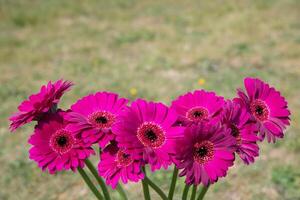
(145, 132)
(54, 146)
(117, 165)
(198, 106)
(201, 81)
(93, 116)
(267, 107)
(40, 103)
(204, 153)
(236, 118)
(133, 91)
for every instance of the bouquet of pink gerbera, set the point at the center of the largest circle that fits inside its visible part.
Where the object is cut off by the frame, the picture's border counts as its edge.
(200, 133)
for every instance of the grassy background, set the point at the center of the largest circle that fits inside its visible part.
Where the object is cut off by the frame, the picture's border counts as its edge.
(162, 49)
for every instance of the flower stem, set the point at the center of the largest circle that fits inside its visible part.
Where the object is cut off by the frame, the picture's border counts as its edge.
(122, 192)
(203, 192)
(145, 187)
(194, 192)
(185, 192)
(173, 183)
(89, 183)
(91, 167)
(156, 188)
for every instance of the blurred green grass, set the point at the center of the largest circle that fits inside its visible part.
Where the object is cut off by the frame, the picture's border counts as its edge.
(161, 48)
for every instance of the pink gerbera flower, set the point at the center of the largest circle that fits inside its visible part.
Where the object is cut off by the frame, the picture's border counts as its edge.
(236, 118)
(267, 107)
(115, 164)
(197, 107)
(93, 116)
(54, 146)
(145, 131)
(205, 153)
(40, 103)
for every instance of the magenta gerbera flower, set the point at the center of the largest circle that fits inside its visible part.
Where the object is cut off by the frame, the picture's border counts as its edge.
(236, 118)
(40, 103)
(93, 116)
(117, 165)
(205, 153)
(54, 146)
(198, 106)
(145, 131)
(267, 107)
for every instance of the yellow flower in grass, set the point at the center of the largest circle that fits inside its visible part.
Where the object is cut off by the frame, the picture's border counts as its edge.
(133, 91)
(201, 81)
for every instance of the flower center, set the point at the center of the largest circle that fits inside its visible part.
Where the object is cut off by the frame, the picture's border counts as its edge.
(62, 141)
(259, 110)
(123, 159)
(203, 151)
(102, 119)
(197, 114)
(235, 132)
(178, 123)
(151, 135)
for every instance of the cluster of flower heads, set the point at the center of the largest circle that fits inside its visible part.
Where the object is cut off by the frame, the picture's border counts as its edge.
(201, 133)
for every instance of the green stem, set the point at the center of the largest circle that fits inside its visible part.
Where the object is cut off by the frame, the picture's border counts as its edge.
(203, 192)
(185, 192)
(91, 167)
(173, 183)
(121, 192)
(89, 183)
(194, 192)
(156, 188)
(145, 187)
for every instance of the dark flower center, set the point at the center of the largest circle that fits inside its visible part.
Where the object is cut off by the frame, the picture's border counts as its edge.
(62, 141)
(123, 159)
(151, 135)
(235, 132)
(259, 110)
(179, 122)
(125, 156)
(203, 151)
(102, 119)
(197, 114)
